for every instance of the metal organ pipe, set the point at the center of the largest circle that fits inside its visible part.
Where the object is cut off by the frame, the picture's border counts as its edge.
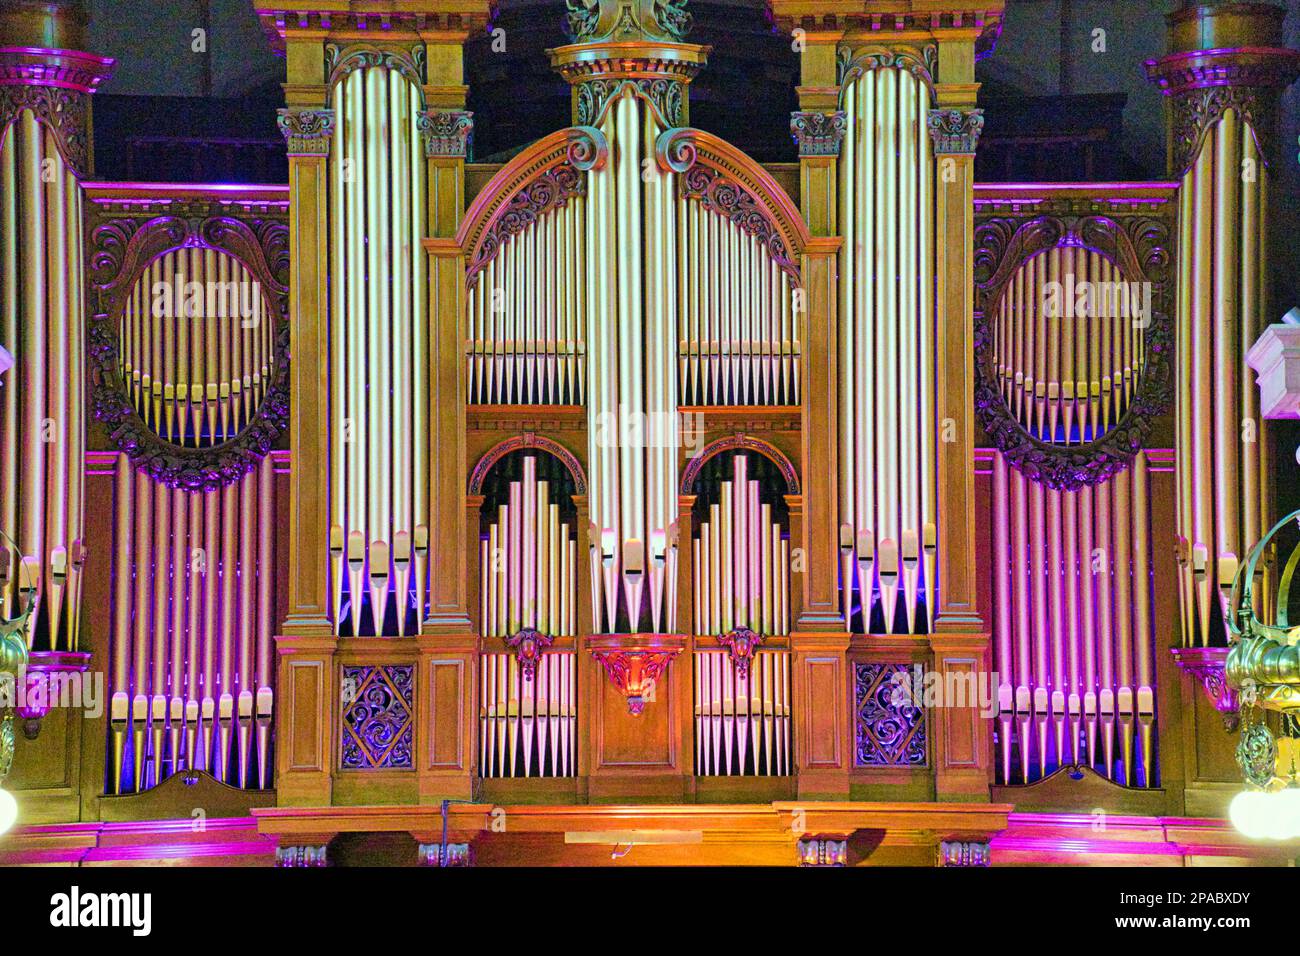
(379, 482)
(887, 442)
(528, 580)
(191, 663)
(1088, 598)
(1220, 445)
(198, 346)
(42, 424)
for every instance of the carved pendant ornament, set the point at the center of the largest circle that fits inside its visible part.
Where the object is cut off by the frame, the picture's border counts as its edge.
(634, 673)
(1140, 247)
(120, 251)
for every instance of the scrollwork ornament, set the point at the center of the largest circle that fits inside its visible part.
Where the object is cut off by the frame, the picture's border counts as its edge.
(734, 202)
(675, 150)
(342, 60)
(920, 62)
(665, 97)
(955, 132)
(551, 190)
(306, 132)
(587, 148)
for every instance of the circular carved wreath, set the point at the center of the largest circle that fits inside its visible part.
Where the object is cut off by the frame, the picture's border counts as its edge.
(120, 250)
(1140, 248)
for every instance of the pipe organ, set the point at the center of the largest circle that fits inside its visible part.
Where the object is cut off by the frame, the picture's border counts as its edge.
(193, 616)
(630, 480)
(887, 484)
(742, 715)
(737, 315)
(197, 346)
(379, 536)
(1075, 648)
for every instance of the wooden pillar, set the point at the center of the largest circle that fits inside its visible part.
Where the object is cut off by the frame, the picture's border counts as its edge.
(447, 130)
(308, 127)
(818, 127)
(955, 127)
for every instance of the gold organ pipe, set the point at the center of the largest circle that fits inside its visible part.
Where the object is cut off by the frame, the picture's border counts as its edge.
(1202, 322)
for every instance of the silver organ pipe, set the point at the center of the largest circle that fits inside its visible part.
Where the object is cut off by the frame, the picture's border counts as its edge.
(192, 622)
(742, 563)
(528, 727)
(379, 535)
(887, 424)
(42, 405)
(197, 346)
(633, 494)
(526, 315)
(1074, 638)
(527, 563)
(1069, 349)
(738, 338)
(742, 719)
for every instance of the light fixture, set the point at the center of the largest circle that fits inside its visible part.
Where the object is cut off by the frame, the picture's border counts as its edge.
(8, 810)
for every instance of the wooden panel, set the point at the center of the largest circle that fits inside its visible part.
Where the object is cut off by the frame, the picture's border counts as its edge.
(447, 707)
(645, 741)
(306, 740)
(823, 720)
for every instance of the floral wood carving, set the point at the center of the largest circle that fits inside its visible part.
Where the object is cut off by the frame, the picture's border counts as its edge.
(634, 673)
(666, 98)
(341, 60)
(528, 645)
(817, 133)
(527, 440)
(1205, 665)
(1140, 247)
(446, 132)
(120, 249)
(65, 113)
(551, 190)
(723, 195)
(921, 62)
(740, 442)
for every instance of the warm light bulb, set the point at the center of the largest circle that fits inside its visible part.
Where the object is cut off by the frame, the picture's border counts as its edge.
(8, 810)
(1245, 812)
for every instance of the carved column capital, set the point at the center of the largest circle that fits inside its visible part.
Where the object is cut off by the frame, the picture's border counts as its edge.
(447, 133)
(817, 133)
(964, 854)
(307, 131)
(955, 131)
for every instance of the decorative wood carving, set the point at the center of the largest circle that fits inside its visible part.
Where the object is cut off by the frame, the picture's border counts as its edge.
(818, 134)
(446, 132)
(1205, 665)
(528, 645)
(341, 60)
(307, 132)
(739, 442)
(1140, 246)
(527, 440)
(920, 61)
(741, 644)
(634, 672)
(955, 132)
(65, 113)
(120, 249)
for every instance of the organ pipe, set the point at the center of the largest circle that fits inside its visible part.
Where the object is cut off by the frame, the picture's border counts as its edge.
(42, 407)
(742, 719)
(742, 562)
(527, 727)
(192, 624)
(887, 456)
(198, 346)
(379, 468)
(1219, 435)
(528, 563)
(738, 341)
(1082, 595)
(1068, 345)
